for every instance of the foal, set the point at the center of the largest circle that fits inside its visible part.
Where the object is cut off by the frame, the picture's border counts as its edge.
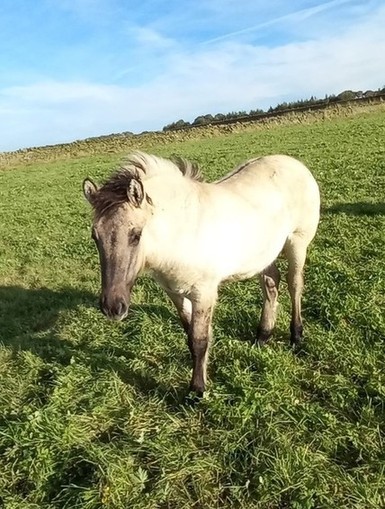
(159, 215)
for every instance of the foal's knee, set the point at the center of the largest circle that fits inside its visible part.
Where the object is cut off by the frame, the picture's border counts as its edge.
(198, 347)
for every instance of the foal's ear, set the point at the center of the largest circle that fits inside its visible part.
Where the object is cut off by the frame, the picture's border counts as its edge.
(89, 189)
(135, 192)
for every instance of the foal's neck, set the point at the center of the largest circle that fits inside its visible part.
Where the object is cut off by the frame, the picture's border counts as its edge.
(173, 196)
(176, 203)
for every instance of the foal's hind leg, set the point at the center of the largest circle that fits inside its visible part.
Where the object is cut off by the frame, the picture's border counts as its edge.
(295, 250)
(184, 308)
(269, 280)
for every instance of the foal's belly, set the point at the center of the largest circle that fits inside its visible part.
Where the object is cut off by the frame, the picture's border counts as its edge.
(249, 270)
(241, 276)
(207, 271)
(249, 258)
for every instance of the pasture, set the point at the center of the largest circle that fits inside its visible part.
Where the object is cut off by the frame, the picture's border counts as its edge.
(93, 413)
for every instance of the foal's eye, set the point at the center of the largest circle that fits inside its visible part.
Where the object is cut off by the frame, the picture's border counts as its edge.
(134, 237)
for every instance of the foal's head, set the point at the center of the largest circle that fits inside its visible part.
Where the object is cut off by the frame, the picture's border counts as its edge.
(121, 209)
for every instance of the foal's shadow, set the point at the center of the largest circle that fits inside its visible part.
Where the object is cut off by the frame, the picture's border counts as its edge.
(28, 318)
(29, 321)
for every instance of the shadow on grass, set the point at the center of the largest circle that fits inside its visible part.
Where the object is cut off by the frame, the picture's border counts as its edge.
(356, 209)
(28, 318)
(29, 322)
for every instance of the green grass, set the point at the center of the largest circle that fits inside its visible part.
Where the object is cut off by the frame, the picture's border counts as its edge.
(92, 413)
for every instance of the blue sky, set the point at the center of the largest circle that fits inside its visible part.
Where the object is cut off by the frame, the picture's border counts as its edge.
(70, 69)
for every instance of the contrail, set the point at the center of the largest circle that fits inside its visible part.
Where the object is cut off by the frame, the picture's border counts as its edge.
(294, 16)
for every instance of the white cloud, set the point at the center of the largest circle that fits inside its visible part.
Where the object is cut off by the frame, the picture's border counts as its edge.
(225, 76)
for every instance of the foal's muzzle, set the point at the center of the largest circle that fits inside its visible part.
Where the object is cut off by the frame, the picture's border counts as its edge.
(114, 309)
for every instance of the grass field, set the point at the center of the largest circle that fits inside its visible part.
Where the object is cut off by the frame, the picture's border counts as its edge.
(92, 413)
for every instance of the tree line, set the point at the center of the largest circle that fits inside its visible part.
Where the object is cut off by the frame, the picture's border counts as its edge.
(346, 95)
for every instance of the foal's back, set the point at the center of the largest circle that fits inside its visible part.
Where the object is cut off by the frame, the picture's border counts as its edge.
(278, 171)
(245, 219)
(277, 183)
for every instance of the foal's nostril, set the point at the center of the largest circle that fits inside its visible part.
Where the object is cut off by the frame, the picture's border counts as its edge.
(115, 309)
(121, 308)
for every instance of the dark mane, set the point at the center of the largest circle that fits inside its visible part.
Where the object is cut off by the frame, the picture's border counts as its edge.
(114, 191)
(188, 169)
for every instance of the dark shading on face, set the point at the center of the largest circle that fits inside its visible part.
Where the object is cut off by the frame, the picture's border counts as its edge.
(117, 230)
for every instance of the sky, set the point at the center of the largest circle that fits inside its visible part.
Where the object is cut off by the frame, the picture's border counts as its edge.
(72, 69)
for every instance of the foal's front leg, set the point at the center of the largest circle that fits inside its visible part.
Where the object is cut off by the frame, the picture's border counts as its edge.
(199, 337)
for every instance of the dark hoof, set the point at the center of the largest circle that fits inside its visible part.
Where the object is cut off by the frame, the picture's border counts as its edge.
(296, 344)
(262, 337)
(296, 334)
(260, 343)
(193, 398)
(197, 388)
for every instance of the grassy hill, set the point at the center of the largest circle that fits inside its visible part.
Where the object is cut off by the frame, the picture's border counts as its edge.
(92, 413)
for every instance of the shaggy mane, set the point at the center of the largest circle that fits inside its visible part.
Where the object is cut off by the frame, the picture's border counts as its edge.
(188, 169)
(138, 165)
(114, 191)
(148, 163)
